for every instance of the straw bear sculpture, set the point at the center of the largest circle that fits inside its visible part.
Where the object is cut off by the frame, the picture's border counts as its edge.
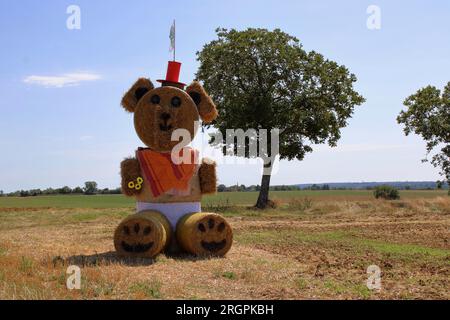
(168, 183)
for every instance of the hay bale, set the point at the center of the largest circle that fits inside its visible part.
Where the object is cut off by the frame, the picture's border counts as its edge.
(204, 234)
(144, 234)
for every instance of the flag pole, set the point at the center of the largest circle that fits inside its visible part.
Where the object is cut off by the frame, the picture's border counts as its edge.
(174, 39)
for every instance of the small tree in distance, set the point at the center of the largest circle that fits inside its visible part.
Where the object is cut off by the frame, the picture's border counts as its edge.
(90, 187)
(77, 190)
(65, 190)
(386, 192)
(263, 79)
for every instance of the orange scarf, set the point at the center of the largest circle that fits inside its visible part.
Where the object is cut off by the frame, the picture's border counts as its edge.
(162, 174)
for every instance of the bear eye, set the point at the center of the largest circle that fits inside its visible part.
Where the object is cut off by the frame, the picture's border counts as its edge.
(155, 99)
(176, 102)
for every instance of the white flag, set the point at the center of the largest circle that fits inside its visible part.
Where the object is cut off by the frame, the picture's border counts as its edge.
(172, 37)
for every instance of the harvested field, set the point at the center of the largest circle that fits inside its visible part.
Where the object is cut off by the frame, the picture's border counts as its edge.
(309, 247)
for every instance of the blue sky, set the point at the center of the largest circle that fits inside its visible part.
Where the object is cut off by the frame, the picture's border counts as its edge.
(61, 133)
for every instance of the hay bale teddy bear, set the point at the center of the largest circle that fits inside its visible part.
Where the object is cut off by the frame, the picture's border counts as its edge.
(167, 181)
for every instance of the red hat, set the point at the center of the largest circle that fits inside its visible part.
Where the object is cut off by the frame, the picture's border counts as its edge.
(172, 75)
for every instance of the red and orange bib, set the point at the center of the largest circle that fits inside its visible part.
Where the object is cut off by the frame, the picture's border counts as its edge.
(163, 174)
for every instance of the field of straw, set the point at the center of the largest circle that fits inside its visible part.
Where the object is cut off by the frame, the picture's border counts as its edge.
(309, 247)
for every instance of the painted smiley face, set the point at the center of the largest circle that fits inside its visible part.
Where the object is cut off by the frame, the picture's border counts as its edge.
(139, 244)
(140, 235)
(204, 234)
(213, 245)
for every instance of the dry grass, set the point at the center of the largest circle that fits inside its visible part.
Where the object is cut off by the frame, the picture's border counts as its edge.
(306, 248)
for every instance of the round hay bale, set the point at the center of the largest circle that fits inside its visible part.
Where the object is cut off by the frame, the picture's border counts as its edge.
(204, 234)
(144, 234)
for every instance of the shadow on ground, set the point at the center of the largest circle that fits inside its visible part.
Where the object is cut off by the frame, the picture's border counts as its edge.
(111, 257)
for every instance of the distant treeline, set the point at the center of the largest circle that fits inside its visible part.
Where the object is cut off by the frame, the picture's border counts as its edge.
(401, 185)
(340, 186)
(242, 187)
(90, 188)
(420, 185)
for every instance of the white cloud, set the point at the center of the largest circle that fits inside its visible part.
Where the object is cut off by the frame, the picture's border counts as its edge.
(64, 80)
(85, 138)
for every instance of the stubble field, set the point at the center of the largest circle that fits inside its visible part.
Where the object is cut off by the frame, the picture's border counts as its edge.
(315, 244)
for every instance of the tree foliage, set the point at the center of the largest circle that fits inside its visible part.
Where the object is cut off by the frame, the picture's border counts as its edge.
(428, 115)
(264, 79)
(386, 192)
(90, 187)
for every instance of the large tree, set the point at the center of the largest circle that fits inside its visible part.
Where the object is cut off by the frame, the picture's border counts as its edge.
(263, 79)
(428, 115)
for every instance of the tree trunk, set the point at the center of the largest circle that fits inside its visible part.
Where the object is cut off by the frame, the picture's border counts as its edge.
(263, 198)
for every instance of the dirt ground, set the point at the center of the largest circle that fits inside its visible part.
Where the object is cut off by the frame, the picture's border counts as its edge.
(304, 249)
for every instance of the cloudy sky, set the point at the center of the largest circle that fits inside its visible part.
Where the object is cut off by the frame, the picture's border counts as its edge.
(61, 123)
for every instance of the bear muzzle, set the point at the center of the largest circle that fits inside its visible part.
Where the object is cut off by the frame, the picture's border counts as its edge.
(165, 126)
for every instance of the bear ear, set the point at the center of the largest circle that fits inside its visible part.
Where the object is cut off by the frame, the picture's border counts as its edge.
(205, 105)
(136, 92)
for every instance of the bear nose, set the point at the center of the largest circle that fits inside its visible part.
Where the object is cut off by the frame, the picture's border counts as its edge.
(165, 116)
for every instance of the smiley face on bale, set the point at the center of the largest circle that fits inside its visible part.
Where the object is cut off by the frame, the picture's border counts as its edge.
(143, 234)
(205, 234)
(160, 111)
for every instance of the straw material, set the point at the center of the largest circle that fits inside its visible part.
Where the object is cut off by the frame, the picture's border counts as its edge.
(144, 234)
(204, 234)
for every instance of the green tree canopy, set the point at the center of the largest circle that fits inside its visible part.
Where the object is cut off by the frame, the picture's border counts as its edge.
(428, 115)
(90, 187)
(264, 79)
(77, 190)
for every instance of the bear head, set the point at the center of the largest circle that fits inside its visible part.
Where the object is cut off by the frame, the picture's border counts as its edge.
(160, 111)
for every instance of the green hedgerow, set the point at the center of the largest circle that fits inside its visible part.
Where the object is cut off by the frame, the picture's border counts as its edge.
(386, 192)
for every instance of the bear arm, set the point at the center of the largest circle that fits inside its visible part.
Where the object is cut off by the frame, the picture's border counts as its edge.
(130, 170)
(207, 176)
